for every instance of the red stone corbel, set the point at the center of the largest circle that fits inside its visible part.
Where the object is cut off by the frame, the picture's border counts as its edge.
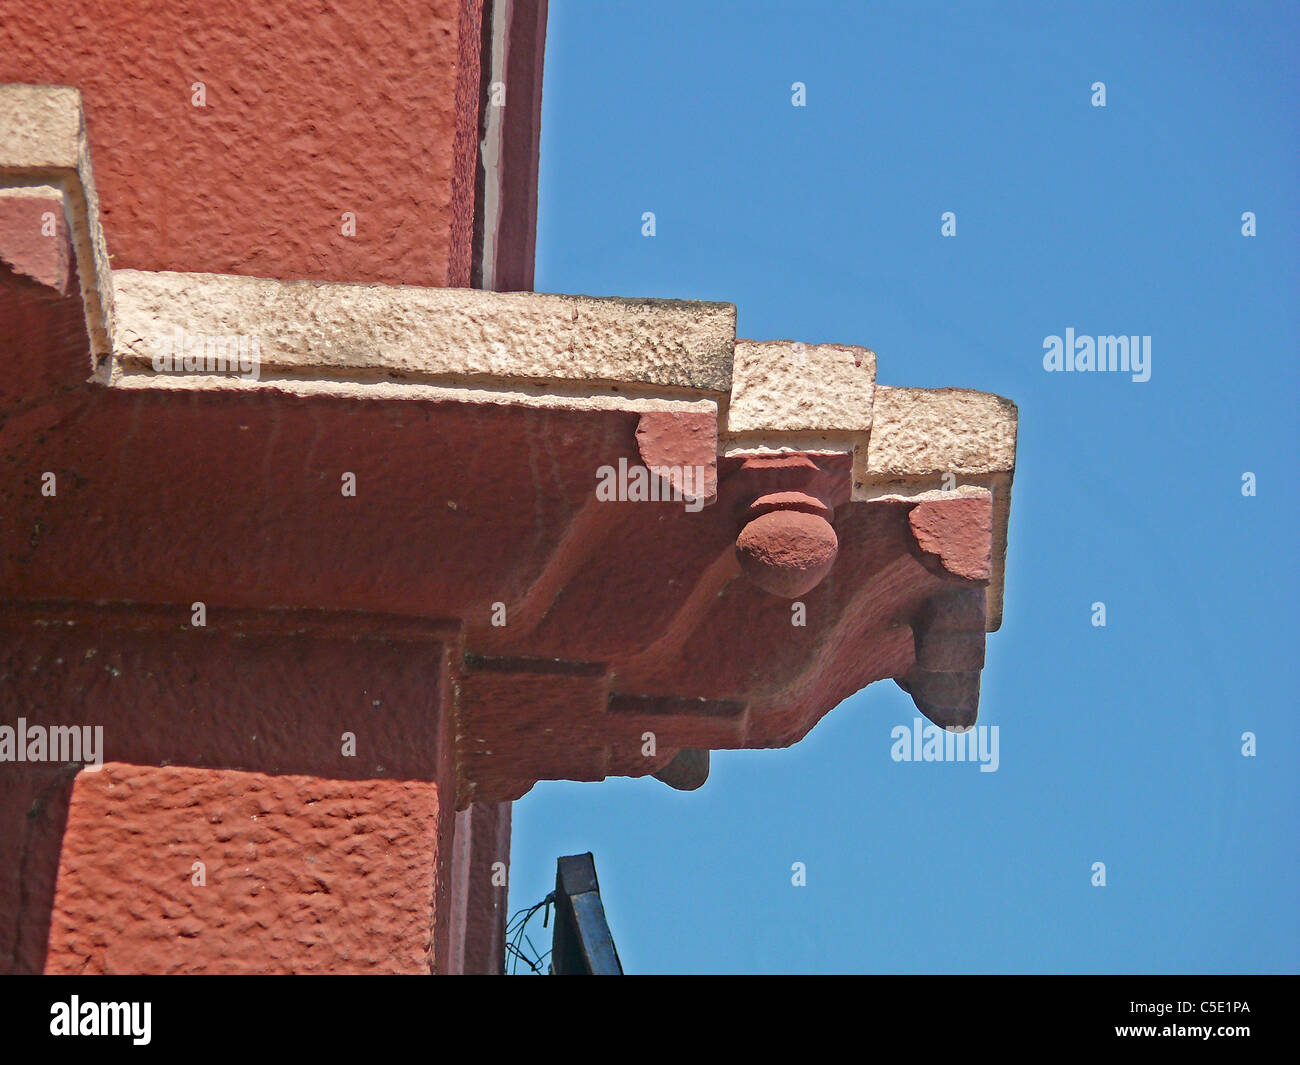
(673, 441)
(952, 537)
(945, 682)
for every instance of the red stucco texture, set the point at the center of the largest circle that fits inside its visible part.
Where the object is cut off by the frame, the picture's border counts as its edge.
(24, 247)
(301, 874)
(273, 799)
(313, 108)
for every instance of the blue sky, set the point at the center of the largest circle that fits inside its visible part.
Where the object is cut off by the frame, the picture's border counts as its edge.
(1119, 744)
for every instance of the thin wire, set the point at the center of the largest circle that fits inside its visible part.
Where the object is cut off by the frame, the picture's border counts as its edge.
(516, 936)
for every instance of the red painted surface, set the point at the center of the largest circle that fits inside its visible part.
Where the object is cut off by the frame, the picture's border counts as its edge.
(312, 110)
(33, 811)
(945, 680)
(958, 533)
(43, 340)
(675, 442)
(262, 692)
(35, 240)
(302, 874)
(271, 697)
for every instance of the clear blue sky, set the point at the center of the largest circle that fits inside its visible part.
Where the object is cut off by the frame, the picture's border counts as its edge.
(1118, 744)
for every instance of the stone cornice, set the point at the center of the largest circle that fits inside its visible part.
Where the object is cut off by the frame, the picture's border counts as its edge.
(479, 422)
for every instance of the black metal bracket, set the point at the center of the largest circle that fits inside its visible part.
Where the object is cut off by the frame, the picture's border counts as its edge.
(582, 944)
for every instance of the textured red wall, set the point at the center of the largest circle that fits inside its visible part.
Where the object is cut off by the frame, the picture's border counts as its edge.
(314, 108)
(317, 859)
(303, 875)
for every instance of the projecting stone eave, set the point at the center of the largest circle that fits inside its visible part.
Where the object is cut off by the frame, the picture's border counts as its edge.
(882, 510)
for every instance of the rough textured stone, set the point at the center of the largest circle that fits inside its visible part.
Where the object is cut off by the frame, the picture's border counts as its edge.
(958, 532)
(782, 386)
(303, 875)
(917, 431)
(41, 127)
(324, 328)
(926, 440)
(675, 441)
(787, 552)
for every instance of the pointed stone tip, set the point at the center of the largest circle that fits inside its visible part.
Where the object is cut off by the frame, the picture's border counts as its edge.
(686, 772)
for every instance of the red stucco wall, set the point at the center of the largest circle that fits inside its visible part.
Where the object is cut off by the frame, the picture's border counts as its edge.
(302, 875)
(227, 748)
(312, 109)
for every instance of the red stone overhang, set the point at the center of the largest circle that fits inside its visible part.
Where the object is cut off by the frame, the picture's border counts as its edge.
(475, 568)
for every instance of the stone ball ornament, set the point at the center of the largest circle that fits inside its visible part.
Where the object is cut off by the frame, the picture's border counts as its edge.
(788, 544)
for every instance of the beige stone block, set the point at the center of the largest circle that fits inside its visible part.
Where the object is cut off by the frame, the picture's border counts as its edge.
(787, 386)
(324, 327)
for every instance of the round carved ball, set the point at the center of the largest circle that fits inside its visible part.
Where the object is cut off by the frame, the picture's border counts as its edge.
(787, 552)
